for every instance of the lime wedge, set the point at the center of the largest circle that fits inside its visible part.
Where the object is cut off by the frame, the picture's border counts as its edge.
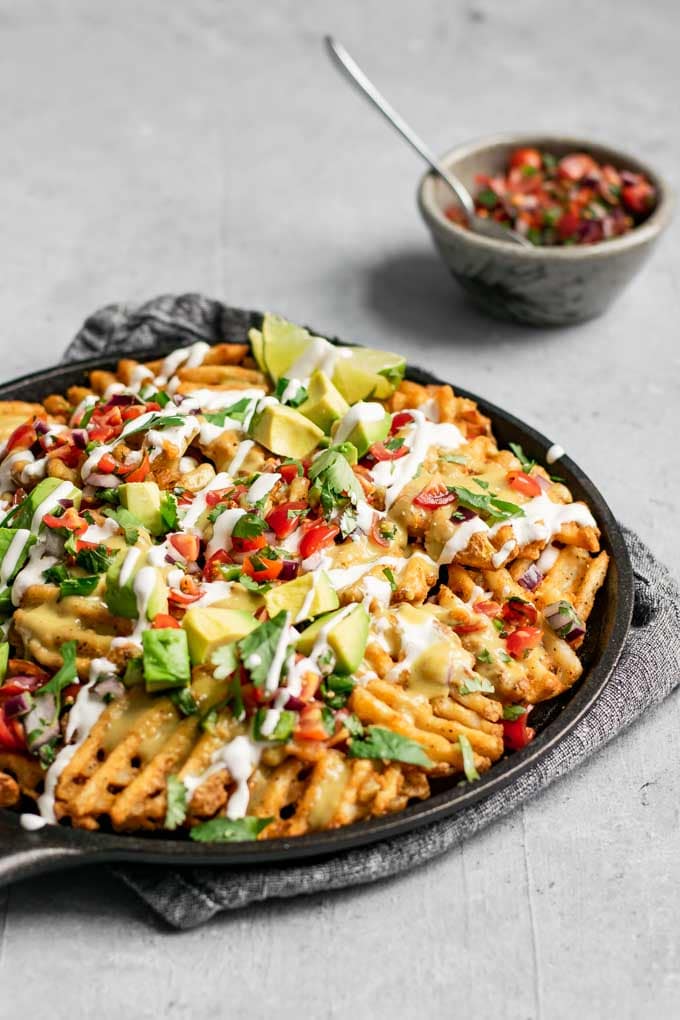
(256, 346)
(283, 343)
(369, 373)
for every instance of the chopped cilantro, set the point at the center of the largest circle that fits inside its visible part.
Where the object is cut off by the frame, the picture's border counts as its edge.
(227, 830)
(237, 412)
(494, 508)
(394, 444)
(379, 742)
(484, 655)
(299, 396)
(471, 773)
(487, 198)
(453, 458)
(283, 729)
(328, 720)
(96, 560)
(184, 700)
(235, 697)
(481, 483)
(353, 725)
(389, 574)
(55, 574)
(127, 522)
(513, 712)
(249, 526)
(156, 421)
(176, 810)
(225, 660)
(78, 586)
(336, 689)
(348, 521)
(259, 587)
(525, 461)
(168, 511)
(476, 684)
(257, 649)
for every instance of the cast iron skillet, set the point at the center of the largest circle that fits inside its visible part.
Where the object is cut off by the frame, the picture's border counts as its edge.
(29, 853)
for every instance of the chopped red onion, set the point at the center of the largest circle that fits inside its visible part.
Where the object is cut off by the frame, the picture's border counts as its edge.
(80, 438)
(543, 482)
(42, 427)
(463, 513)
(66, 503)
(294, 704)
(41, 723)
(18, 704)
(531, 578)
(289, 570)
(104, 481)
(110, 687)
(122, 400)
(564, 620)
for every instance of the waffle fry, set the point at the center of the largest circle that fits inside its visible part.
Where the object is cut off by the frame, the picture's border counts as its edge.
(434, 588)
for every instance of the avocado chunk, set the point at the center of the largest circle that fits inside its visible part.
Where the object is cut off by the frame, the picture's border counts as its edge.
(367, 373)
(364, 424)
(285, 431)
(324, 404)
(240, 598)
(304, 598)
(207, 628)
(15, 544)
(143, 499)
(122, 598)
(40, 497)
(165, 659)
(347, 637)
(4, 659)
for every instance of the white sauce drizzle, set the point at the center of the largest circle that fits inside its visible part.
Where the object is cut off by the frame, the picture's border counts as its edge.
(242, 451)
(63, 491)
(363, 412)
(393, 475)
(262, 486)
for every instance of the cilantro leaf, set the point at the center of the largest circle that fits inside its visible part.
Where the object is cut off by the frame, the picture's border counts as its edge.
(354, 726)
(474, 684)
(249, 526)
(96, 560)
(298, 397)
(66, 675)
(184, 700)
(484, 502)
(283, 729)
(78, 586)
(471, 773)
(336, 689)
(484, 655)
(127, 522)
(237, 412)
(259, 587)
(525, 461)
(348, 521)
(55, 574)
(157, 421)
(258, 649)
(389, 574)
(383, 743)
(228, 830)
(225, 660)
(334, 484)
(513, 712)
(168, 511)
(176, 810)
(453, 458)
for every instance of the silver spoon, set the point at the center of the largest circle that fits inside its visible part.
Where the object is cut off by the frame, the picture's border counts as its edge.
(481, 225)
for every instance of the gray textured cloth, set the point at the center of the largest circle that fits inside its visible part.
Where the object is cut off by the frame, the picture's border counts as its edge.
(649, 669)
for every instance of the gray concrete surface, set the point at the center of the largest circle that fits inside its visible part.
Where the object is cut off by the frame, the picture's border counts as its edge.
(150, 147)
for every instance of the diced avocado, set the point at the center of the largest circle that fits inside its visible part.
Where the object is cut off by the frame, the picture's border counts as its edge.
(143, 499)
(166, 659)
(363, 425)
(207, 628)
(21, 543)
(239, 598)
(304, 598)
(257, 347)
(285, 431)
(43, 490)
(121, 598)
(282, 344)
(4, 659)
(367, 373)
(347, 638)
(324, 404)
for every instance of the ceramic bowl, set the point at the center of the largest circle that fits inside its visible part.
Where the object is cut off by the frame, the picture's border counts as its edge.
(539, 286)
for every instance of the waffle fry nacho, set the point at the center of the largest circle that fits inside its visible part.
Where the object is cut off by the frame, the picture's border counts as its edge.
(256, 591)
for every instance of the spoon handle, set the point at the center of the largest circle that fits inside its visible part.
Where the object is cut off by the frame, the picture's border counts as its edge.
(349, 66)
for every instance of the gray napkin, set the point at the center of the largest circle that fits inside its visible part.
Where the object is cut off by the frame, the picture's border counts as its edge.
(649, 669)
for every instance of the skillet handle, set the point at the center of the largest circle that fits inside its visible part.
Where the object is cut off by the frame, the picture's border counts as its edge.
(23, 854)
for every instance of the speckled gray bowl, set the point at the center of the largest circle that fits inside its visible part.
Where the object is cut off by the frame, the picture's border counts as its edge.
(539, 286)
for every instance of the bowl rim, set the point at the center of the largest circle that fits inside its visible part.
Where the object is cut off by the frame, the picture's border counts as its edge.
(434, 216)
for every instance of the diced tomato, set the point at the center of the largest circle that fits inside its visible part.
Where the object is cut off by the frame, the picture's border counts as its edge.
(216, 496)
(11, 733)
(288, 472)
(242, 545)
(262, 569)
(71, 520)
(22, 437)
(152, 405)
(639, 197)
(516, 733)
(189, 591)
(132, 412)
(310, 724)
(188, 546)
(108, 415)
(106, 464)
(377, 535)
(310, 685)
(433, 496)
(380, 452)
(523, 639)
(163, 621)
(101, 433)
(519, 611)
(520, 481)
(577, 166)
(135, 473)
(286, 517)
(526, 157)
(400, 419)
(471, 627)
(568, 224)
(211, 570)
(67, 453)
(317, 537)
(488, 608)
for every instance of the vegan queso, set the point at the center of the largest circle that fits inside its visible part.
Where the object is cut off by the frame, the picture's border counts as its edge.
(257, 590)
